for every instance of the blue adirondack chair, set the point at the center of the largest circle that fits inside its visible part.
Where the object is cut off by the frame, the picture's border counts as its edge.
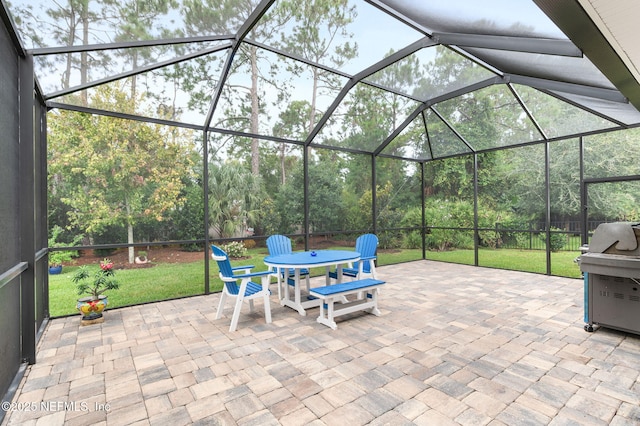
(245, 290)
(281, 244)
(366, 245)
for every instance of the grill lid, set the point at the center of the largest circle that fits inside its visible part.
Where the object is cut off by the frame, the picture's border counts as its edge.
(608, 234)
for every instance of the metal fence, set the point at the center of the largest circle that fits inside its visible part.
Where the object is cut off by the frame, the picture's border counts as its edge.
(565, 235)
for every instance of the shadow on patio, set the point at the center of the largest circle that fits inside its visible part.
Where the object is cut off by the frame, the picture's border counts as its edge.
(454, 345)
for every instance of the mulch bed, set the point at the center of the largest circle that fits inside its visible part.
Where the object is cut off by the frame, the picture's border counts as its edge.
(155, 255)
(165, 254)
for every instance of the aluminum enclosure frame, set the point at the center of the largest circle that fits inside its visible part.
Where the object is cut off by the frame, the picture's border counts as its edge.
(25, 275)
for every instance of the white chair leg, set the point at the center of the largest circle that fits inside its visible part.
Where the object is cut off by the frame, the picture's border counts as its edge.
(267, 305)
(373, 270)
(236, 313)
(267, 308)
(223, 297)
(250, 305)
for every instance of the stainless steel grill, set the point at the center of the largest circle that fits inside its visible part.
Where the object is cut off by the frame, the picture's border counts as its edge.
(611, 268)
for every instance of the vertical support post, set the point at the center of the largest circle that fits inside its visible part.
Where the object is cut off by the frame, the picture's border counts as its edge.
(205, 190)
(374, 203)
(41, 215)
(423, 230)
(305, 165)
(476, 236)
(547, 200)
(27, 208)
(583, 197)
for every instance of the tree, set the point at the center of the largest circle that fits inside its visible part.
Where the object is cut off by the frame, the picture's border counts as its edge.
(135, 20)
(318, 23)
(71, 26)
(292, 125)
(234, 200)
(224, 17)
(117, 172)
(326, 210)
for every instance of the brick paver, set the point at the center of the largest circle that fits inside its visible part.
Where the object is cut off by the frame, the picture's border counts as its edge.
(454, 345)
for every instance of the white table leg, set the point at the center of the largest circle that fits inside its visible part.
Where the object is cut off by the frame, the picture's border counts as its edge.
(279, 281)
(287, 295)
(298, 299)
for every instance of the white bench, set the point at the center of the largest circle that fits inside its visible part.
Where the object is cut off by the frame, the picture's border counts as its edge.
(332, 293)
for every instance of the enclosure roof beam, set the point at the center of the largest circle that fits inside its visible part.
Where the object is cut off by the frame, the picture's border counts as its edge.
(467, 89)
(400, 54)
(583, 107)
(10, 26)
(124, 116)
(464, 90)
(516, 44)
(297, 58)
(394, 57)
(125, 45)
(400, 16)
(455, 132)
(526, 109)
(246, 27)
(561, 86)
(575, 22)
(137, 71)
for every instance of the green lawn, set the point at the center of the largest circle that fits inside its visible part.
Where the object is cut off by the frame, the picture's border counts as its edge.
(562, 263)
(174, 280)
(163, 281)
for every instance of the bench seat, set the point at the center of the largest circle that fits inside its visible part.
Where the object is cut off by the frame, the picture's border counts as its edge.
(332, 293)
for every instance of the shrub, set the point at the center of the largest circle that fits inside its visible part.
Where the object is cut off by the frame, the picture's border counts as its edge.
(448, 239)
(557, 240)
(490, 239)
(443, 214)
(235, 249)
(249, 244)
(413, 240)
(191, 247)
(388, 240)
(104, 252)
(514, 233)
(523, 240)
(56, 258)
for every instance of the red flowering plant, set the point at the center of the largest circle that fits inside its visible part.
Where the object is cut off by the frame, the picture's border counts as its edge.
(103, 280)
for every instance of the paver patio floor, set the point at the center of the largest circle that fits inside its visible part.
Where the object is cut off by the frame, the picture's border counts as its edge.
(455, 345)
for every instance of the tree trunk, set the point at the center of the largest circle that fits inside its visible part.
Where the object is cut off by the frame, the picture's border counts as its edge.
(314, 97)
(255, 113)
(132, 254)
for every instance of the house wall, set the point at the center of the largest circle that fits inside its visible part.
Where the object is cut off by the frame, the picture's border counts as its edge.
(10, 278)
(23, 211)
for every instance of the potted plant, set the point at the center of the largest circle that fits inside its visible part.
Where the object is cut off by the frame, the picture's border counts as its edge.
(142, 257)
(57, 258)
(94, 286)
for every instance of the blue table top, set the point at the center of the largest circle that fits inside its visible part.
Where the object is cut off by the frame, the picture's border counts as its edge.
(307, 259)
